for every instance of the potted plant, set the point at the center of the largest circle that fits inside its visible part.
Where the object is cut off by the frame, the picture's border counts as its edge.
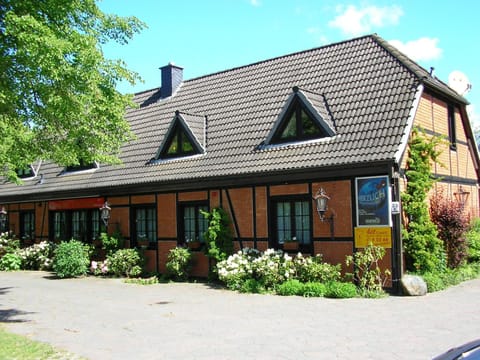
(142, 241)
(290, 244)
(193, 244)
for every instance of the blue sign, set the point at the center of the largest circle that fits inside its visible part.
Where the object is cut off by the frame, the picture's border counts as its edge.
(373, 201)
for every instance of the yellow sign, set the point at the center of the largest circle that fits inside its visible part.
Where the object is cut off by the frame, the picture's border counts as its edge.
(379, 236)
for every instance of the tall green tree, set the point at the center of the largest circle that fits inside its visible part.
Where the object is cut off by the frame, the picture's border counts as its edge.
(58, 97)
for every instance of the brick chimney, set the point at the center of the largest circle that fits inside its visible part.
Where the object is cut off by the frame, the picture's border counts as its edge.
(172, 77)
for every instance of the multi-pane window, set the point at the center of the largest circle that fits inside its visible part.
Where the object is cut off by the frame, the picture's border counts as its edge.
(298, 125)
(82, 225)
(60, 225)
(27, 226)
(25, 172)
(194, 223)
(145, 227)
(79, 225)
(179, 144)
(293, 221)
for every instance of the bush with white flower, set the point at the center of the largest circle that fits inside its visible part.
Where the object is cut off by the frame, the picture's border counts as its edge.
(8, 243)
(237, 268)
(252, 269)
(38, 256)
(272, 268)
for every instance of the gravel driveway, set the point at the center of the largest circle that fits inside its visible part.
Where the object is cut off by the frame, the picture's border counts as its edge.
(108, 319)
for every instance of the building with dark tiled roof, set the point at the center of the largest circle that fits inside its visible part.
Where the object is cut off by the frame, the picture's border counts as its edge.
(260, 141)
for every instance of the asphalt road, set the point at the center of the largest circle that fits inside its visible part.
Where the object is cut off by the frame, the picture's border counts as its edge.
(108, 319)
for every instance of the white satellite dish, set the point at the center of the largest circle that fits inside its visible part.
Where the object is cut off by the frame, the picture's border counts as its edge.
(459, 82)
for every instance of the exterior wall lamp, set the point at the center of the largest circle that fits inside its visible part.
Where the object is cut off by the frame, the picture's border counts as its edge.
(461, 196)
(321, 198)
(3, 219)
(105, 211)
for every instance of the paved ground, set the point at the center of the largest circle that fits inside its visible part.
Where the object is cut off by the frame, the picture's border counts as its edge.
(108, 319)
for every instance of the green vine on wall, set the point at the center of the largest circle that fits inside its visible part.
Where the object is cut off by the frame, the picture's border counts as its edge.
(218, 237)
(424, 251)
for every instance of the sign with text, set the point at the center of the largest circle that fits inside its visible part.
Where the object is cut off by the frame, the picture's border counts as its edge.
(379, 236)
(373, 201)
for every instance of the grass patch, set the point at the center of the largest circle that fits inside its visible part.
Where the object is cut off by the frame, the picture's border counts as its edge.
(13, 346)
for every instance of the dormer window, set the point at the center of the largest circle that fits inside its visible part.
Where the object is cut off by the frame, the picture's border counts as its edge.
(305, 116)
(83, 166)
(299, 125)
(26, 173)
(185, 137)
(180, 144)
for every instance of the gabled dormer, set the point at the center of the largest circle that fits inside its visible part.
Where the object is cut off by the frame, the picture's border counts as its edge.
(305, 116)
(185, 137)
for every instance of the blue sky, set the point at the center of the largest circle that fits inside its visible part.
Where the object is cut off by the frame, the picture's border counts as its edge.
(206, 36)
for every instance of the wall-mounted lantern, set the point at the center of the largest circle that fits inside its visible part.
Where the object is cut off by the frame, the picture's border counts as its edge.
(461, 196)
(3, 219)
(105, 211)
(321, 199)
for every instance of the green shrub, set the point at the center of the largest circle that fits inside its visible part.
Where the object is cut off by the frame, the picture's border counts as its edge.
(314, 289)
(424, 251)
(312, 268)
(179, 263)
(10, 262)
(251, 286)
(435, 282)
(369, 276)
(473, 241)
(126, 262)
(111, 244)
(71, 259)
(140, 281)
(290, 287)
(340, 290)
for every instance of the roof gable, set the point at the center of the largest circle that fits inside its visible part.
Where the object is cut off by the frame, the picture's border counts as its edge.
(185, 137)
(304, 117)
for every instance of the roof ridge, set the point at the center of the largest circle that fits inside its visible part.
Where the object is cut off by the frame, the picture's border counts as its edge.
(281, 57)
(267, 60)
(189, 113)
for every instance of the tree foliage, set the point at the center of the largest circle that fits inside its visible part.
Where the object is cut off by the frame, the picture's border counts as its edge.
(58, 99)
(423, 249)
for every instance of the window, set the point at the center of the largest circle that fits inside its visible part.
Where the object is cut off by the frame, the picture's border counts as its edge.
(298, 124)
(25, 173)
(179, 143)
(194, 224)
(452, 132)
(60, 225)
(82, 166)
(27, 226)
(82, 225)
(144, 225)
(292, 220)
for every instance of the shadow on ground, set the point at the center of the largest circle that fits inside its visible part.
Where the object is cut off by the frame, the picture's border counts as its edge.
(9, 316)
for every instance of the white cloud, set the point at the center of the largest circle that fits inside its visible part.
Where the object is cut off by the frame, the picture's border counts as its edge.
(353, 21)
(422, 49)
(255, 2)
